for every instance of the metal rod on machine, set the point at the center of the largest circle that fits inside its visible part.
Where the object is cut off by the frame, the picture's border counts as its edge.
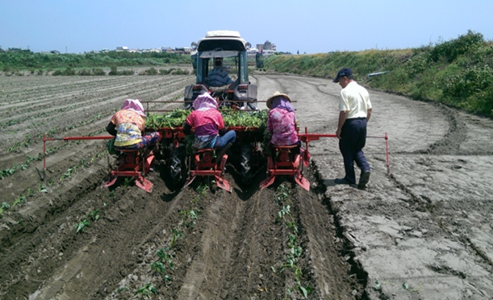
(387, 150)
(306, 137)
(69, 138)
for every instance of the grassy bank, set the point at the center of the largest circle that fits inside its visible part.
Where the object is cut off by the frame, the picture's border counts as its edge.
(457, 72)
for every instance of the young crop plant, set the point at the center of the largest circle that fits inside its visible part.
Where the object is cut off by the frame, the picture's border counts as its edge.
(295, 250)
(68, 174)
(42, 188)
(158, 267)
(20, 199)
(202, 189)
(3, 208)
(189, 216)
(79, 227)
(175, 235)
(94, 215)
(165, 260)
(146, 291)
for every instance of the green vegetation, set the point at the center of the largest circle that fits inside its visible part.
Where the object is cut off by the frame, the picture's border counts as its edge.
(146, 291)
(295, 250)
(13, 60)
(164, 266)
(457, 73)
(177, 118)
(80, 226)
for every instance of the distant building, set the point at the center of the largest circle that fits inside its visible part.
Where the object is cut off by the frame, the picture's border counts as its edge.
(123, 48)
(269, 46)
(155, 50)
(266, 48)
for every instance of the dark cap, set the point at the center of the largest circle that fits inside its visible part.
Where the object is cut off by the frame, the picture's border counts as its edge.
(343, 72)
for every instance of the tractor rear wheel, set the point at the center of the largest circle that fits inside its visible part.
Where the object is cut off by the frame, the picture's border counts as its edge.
(177, 164)
(246, 161)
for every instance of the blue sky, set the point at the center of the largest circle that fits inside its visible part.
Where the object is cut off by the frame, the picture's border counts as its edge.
(309, 26)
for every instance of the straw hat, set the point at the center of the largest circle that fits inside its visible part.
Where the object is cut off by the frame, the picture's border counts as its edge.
(276, 94)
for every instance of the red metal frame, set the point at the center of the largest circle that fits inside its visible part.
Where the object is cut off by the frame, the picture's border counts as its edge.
(133, 163)
(291, 164)
(284, 162)
(204, 165)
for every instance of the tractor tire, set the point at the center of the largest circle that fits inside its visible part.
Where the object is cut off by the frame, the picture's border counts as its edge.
(177, 168)
(245, 163)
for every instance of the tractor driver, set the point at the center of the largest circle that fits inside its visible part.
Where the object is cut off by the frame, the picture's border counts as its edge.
(218, 76)
(209, 126)
(127, 126)
(281, 122)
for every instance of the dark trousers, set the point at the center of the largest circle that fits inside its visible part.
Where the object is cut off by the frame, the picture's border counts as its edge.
(351, 144)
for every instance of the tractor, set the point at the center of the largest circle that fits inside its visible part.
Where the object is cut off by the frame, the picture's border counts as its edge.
(241, 95)
(231, 48)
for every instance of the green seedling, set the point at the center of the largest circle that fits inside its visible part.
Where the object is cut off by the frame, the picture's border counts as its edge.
(42, 188)
(158, 267)
(296, 251)
(293, 226)
(68, 174)
(189, 217)
(175, 235)
(286, 210)
(79, 227)
(377, 285)
(305, 291)
(202, 189)
(166, 256)
(146, 291)
(3, 208)
(94, 215)
(20, 199)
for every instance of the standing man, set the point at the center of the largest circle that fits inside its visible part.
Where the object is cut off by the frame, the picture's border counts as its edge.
(354, 113)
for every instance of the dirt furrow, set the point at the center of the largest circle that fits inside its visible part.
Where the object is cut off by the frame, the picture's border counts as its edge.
(328, 249)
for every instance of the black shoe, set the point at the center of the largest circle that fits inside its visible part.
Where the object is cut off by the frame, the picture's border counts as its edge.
(341, 181)
(363, 180)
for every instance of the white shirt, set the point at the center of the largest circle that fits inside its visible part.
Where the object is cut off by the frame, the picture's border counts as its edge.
(355, 101)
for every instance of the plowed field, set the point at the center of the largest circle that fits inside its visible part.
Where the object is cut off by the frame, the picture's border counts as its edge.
(63, 236)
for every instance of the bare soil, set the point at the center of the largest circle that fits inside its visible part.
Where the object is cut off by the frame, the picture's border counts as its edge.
(434, 203)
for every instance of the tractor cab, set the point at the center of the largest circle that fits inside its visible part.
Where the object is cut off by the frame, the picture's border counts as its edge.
(225, 50)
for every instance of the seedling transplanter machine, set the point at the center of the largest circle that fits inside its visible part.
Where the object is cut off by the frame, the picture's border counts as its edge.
(247, 155)
(184, 167)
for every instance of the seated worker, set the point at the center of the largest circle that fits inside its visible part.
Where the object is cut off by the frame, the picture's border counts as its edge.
(127, 126)
(281, 121)
(209, 126)
(218, 76)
